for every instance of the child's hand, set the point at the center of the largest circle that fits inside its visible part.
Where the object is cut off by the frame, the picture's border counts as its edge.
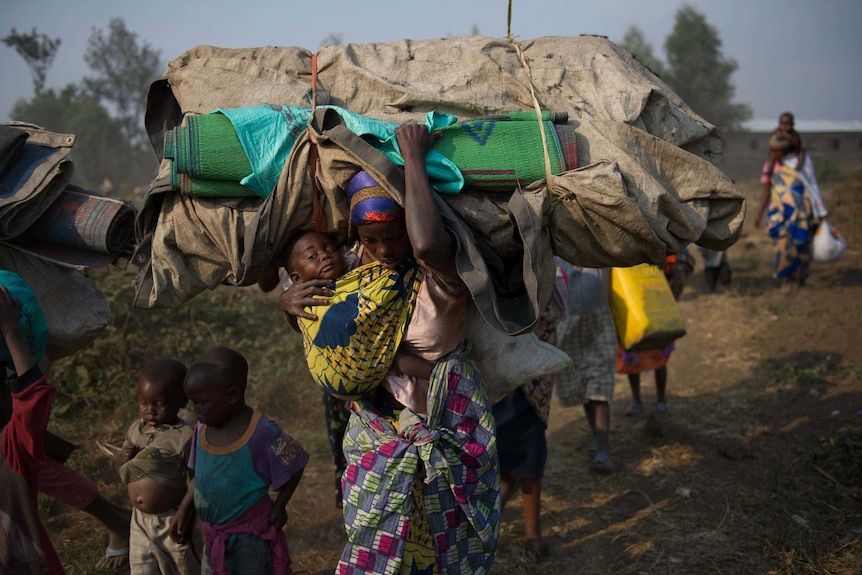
(10, 312)
(278, 517)
(182, 523)
(129, 452)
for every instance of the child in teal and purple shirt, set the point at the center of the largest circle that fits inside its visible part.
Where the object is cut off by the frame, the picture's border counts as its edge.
(238, 455)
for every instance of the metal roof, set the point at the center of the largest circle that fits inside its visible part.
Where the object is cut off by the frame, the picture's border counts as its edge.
(803, 126)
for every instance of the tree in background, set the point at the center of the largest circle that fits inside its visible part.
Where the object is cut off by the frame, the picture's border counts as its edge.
(124, 69)
(636, 45)
(698, 71)
(38, 51)
(332, 40)
(111, 153)
(102, 154)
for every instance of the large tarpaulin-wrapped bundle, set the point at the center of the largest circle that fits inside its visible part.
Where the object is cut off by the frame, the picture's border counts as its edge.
(36, 170)
(42, 213)
(650, 181)
(51, 231)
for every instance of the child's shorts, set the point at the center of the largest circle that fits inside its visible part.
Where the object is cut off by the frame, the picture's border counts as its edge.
(153, 552)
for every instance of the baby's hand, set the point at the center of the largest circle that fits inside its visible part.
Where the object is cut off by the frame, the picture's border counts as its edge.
(129, 452)
(278, 517)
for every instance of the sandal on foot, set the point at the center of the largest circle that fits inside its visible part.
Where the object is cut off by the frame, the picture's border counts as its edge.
(114, 559)
(634, 409)
(536, 549)
(602, 463)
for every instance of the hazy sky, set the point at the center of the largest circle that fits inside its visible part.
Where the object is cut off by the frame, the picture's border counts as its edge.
(796, 55)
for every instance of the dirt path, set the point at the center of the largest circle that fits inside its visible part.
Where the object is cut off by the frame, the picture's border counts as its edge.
(760, 383)
(749, 473)
(714, 487)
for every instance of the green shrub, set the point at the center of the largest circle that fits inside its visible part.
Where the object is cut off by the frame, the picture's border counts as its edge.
(97, 386)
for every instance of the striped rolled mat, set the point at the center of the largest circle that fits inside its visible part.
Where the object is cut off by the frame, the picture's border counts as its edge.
(82, 219)
(214, 188)
(503, 151)
(195, 186)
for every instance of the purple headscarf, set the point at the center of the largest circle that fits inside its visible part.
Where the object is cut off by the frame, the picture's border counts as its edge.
(369, 202)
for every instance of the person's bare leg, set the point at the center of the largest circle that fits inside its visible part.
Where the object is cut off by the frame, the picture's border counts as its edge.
(636, 408)
(591, 415)
(635, 385)
(601, 416)
(660, 388)
(76, 490)
(117, 521)
(591, 420)
(509, 485)
(601, 425)
(531, 493)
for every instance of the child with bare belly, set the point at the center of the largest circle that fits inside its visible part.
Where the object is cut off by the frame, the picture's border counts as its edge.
(155, 455)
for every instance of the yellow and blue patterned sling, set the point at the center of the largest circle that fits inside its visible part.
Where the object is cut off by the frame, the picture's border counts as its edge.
(351, 346)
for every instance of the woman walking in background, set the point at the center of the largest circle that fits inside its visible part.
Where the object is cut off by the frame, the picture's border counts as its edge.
(793, 207)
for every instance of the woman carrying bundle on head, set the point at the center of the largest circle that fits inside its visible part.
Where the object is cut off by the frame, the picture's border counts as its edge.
(422, 486)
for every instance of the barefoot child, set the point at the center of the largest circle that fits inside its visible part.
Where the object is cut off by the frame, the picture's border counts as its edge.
(237, 456)
(155, 456)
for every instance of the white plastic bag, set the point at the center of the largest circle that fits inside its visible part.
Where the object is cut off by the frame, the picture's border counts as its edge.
(828, 245)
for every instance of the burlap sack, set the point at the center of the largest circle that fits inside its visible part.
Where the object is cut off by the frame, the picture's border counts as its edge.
(74, 308)
(585, 76)
(652, 182)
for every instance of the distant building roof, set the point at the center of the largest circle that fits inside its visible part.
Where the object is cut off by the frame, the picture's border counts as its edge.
(802, 126)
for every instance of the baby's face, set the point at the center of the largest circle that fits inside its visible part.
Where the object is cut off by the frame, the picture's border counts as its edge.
(157, 404)
(315, 256)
